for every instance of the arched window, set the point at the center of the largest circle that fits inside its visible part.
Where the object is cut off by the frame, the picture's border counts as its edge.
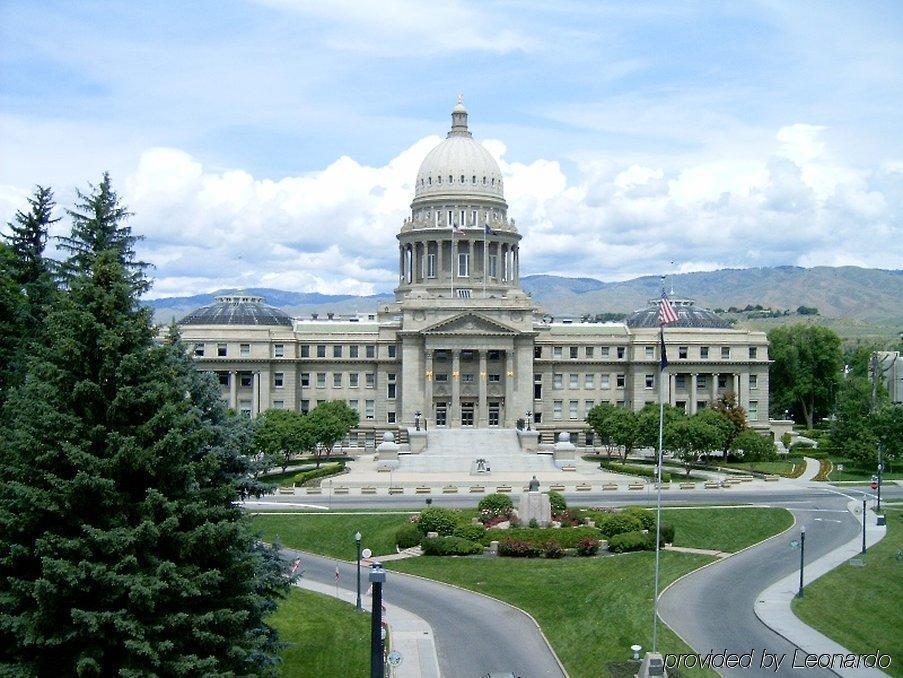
(493, 181)
(430, 179)
(462, 178)
(451, 179)
(439, 179)
(474, 178)
(484, 181)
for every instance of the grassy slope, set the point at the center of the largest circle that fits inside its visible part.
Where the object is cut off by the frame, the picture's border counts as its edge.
(859, 607)
(725, 529)
(331, 535)
(323, 636)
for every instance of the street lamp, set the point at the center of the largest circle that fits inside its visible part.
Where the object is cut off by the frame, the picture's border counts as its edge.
(802, 556)
(636, 652)
(377, 579)
(529, 419)
(863, 524)
(357, 539)
(417, 420)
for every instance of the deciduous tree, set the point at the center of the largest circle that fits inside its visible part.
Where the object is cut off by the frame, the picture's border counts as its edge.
(327, 424)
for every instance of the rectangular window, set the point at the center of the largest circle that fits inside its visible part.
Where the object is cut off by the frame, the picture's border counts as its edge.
(244, 350)
(244, 407)
(725, 352)
(467, 378)
(430, 266)
(572, 408)
(573, 351)
(682, 352)
(390, 417)
(352, 351)
(369, 409)
(355, 405)
(221, 350)
(246, 380)
(493, 266)
(279, 404)
(722, 381)
(278, 350)
(321, 379)
(537, 352)
(463, 294)
(305, 406)
(223, 378)
(278, 379)
(704, 352)
(305, 351)
(754, 381)
(393, 349)
(537, 417)
(199, 350)
(442, 377)
(556, 410)
(337, 351)
(620, 352)
(493, 355)
(605, 381)
(495, 378)
(337, 380)
(353, 379)
(753, 410)
(589, 351)
(700, 381)
(574, 381)
(650, 352)
(321, 350)
(588, 405)
(556, 351)
(305, 380)
(650, 381)
(604, 351)
(370, 380)
(473, 217)
(463, 264)
(589, 381)
(371, 351)
(753, 351)
(390, 386)
(557, 381)
(680, 380)
(619, 381)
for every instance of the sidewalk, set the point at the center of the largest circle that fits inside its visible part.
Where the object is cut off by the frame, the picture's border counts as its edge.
(409, 634)
(813, 466)
(773, 604)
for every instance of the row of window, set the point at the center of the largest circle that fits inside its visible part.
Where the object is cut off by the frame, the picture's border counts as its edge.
(649, 352)
(430, 270)
(589, 381)
(490, 181)
(468, 377)
(574, 406)
(320, 350)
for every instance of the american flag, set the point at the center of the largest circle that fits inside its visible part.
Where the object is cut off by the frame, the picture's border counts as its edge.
(336, 574)
(456, 230)
(666, 314)
(296, 565)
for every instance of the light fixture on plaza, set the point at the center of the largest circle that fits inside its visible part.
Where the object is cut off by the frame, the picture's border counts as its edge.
(417, 416)
(636, 652)
(529, 419)
(357, 539)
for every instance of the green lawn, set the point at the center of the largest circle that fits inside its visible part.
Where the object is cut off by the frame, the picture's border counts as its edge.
(331, 535)
(725, 529)
(852, 470)
(859, 607)
(591, 609)
(323, 636)
(782, 468)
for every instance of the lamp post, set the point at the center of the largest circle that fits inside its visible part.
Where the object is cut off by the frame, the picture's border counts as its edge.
(802, 557)
(417, 420)
(357, 539)
(863, 524)
(529, 419)
(377, 579)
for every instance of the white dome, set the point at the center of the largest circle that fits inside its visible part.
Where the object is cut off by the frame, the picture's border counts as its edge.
(460, 165)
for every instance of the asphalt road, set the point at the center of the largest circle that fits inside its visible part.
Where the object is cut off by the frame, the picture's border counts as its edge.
(474, 634)
(712, 609)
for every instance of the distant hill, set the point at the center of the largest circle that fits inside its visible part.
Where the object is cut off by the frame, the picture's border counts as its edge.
(859, 294)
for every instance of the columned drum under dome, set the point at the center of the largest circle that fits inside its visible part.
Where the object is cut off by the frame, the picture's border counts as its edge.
(458, 241)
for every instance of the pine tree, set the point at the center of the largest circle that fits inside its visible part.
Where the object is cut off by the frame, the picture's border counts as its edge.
(28, 237)
(122, 548)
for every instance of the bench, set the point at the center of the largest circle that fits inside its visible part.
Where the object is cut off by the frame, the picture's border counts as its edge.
(477, 489)
(313, 490)
(503, 489)
(609, 487)
(584, 487)
(557, 487)
(688, 486)
(635, 486)
(712, 486)
(368, 490)
(286, 490)
(396, 490)
(341, 489)
(450, 489)
(772, 478)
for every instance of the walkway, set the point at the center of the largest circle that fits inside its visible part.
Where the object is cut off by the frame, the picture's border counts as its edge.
(813, 466)
(455, 451)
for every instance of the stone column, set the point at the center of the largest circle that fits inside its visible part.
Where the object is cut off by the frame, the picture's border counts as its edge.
(736, 387)
(266, 381)
(672, 389)
(255, 393)
(456, 388)
(439, 244)
(714, 387)
(692, 406)
(428, 386)
(233, 390)
(510, 413)
(483, 408)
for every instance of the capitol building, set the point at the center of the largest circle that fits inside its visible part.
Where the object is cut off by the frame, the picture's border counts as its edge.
(462, 345)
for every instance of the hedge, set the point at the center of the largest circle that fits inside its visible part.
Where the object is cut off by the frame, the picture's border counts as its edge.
(322, 472)
(610, 524)
(518, 548)
(557, 502)
(441, 520)
(470, 531)
(631, 541)
(408, 536)
(496, 504)
(646, 517)
(567, 537)
(588, 546)
(450, 546)
(632, 470)
(552, 549)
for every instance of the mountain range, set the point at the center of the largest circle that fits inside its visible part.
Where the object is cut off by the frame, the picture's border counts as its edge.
(861, 294)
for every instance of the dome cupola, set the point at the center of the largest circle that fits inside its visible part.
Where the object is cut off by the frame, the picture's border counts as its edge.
(238, 309)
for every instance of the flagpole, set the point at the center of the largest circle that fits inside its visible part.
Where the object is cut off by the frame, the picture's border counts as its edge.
(454, 262)
(658, 482)
(485, 257)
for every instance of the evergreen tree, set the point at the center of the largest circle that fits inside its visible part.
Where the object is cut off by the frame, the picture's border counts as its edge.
(12, 310)
(122, 548)
(28, 237)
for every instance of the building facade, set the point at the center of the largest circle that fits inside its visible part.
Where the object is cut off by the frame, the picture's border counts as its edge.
(462, 345)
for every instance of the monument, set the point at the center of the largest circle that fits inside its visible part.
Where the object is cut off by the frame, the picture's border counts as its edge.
(534, 505)
(387, 453)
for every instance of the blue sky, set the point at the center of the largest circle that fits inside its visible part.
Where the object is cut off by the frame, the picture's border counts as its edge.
(275, 142)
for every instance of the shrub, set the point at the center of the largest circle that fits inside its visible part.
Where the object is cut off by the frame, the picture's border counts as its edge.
(470, 532)
(322, 472)
(518, 548)
(632, 470)
(533, 524)
(567, 537)
(667, 533)
(618, 523)
(631, 541)
(408, 536)
(570, 517)
(450, 546)
(440, 520)
(557, 502)
(552, 549)
(786, 438)
(646, 517)
(588, 546)
(495, 505)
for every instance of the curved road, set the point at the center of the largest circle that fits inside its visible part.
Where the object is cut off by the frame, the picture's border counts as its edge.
(712, 609)
(474, 634)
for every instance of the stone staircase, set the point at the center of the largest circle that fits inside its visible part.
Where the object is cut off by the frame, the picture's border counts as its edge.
(456, 451)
